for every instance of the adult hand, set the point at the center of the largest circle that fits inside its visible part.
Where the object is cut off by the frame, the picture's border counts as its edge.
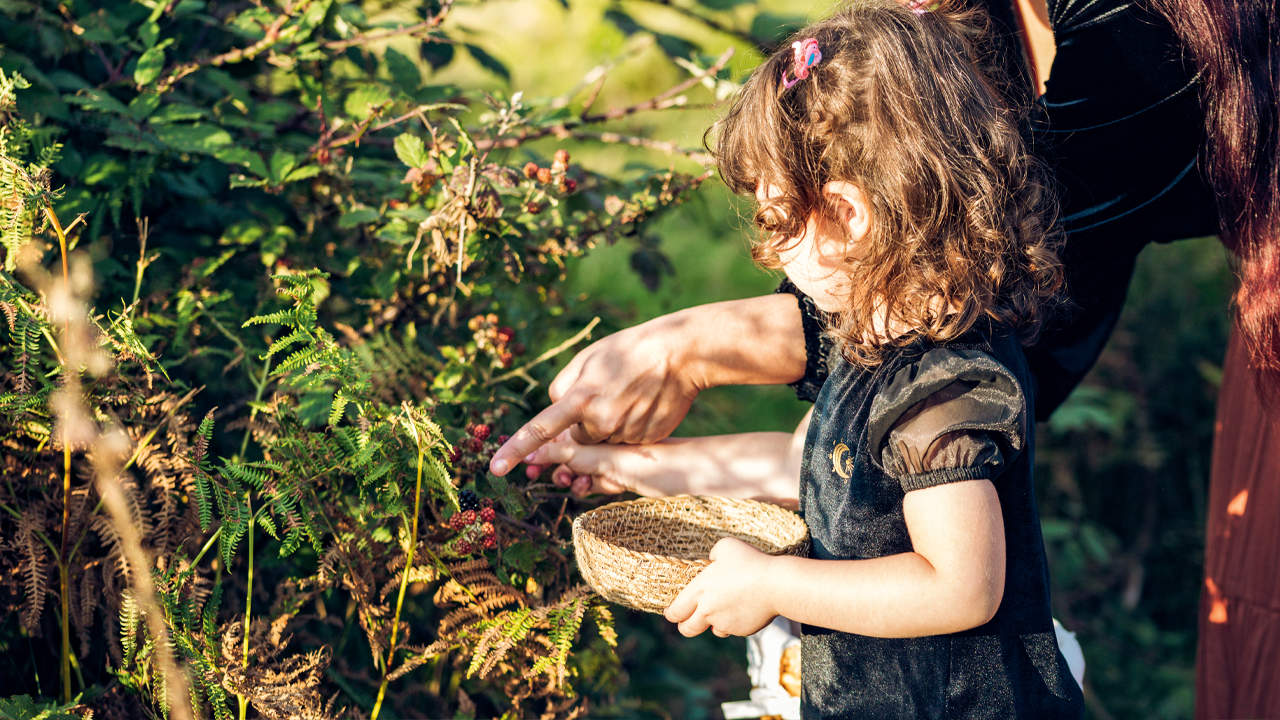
(727, 596)
(629, 387)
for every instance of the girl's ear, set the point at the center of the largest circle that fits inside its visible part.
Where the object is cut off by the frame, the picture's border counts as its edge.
(855, 210)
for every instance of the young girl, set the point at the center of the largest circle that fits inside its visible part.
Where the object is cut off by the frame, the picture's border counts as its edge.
(893, 190)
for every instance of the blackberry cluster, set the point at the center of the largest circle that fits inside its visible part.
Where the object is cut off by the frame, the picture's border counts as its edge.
(474, 524)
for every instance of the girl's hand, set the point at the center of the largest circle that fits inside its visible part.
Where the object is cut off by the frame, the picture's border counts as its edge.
(728, 596)
(582, 468)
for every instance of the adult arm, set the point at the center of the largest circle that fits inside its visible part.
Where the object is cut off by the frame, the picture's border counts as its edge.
(637, 385)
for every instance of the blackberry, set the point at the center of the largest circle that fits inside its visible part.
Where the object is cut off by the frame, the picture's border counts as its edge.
(468, 501)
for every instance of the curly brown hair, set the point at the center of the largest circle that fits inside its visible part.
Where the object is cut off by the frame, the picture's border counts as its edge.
(901, 107)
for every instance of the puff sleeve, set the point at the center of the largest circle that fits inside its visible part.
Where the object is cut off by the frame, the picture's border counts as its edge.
(952, 415)
(816, 344)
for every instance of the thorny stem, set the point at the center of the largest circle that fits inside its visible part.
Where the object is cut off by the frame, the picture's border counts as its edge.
(404, 582)
(524, 369)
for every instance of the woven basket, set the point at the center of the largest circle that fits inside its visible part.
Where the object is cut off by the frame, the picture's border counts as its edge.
(641, 553)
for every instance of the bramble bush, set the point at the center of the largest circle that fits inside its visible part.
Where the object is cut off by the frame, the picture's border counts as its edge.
(273, 295)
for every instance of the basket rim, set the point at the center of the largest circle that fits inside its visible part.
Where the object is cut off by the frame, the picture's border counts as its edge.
(580, 523)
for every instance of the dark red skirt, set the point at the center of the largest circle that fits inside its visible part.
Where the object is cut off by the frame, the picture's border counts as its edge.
(1238, 661)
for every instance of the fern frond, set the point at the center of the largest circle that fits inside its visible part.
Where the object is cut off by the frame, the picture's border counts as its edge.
(130, 617)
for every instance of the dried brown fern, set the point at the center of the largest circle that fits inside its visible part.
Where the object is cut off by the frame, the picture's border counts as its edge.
(279, 685)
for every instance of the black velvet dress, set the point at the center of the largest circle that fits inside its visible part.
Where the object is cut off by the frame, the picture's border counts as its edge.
(930, 415)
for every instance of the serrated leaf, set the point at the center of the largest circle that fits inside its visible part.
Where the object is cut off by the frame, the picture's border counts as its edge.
(411, 150)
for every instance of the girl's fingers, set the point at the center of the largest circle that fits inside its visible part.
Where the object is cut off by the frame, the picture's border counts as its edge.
(581, 485)
(693, 626)
(682, 607)
(562, 476)
(533, 471)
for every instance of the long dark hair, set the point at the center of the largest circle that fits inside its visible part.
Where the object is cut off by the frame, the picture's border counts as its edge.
(1236, 46)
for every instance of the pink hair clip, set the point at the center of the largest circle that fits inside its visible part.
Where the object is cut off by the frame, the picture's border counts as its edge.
(805, 55)
(920, 7)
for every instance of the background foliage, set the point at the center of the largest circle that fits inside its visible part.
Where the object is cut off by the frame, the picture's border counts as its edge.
(324, 285)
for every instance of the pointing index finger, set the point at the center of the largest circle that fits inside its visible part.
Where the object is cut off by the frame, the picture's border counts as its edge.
(540, 430)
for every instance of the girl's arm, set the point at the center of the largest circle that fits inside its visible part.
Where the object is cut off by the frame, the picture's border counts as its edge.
(761, 465)
(953, 580)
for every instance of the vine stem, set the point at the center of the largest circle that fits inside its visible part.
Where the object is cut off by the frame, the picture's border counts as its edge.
(404, 583)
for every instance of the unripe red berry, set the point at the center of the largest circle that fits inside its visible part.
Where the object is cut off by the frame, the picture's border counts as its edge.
(531, 170)
(487, 528)
(464, 548)
(505, 334)
(503, 438)
(475, 444)
(544, 175)
(455, 522)
(490, 542)
(505, 359)
(455, 455)
(468, 517)
(480, 431)
(568, 185)
(533, 208)
(487, 514)
(562, 156)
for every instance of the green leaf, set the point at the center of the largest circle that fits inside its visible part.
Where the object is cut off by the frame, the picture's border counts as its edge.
(361, 216)
(364, 99)
(411, 150)
(771, 28)
(150, 64)
(403, 71)
(281, 163)
(196, 138)
(437, 54)
(98, 101)
(489, 62)
(143, 105)
(176, 112)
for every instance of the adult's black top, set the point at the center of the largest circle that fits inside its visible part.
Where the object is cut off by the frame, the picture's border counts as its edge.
(1121, 127)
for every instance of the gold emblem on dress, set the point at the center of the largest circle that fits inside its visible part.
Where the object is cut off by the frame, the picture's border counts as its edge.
(841, 464)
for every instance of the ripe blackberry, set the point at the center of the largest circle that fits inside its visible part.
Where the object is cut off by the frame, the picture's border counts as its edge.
(468, 501)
